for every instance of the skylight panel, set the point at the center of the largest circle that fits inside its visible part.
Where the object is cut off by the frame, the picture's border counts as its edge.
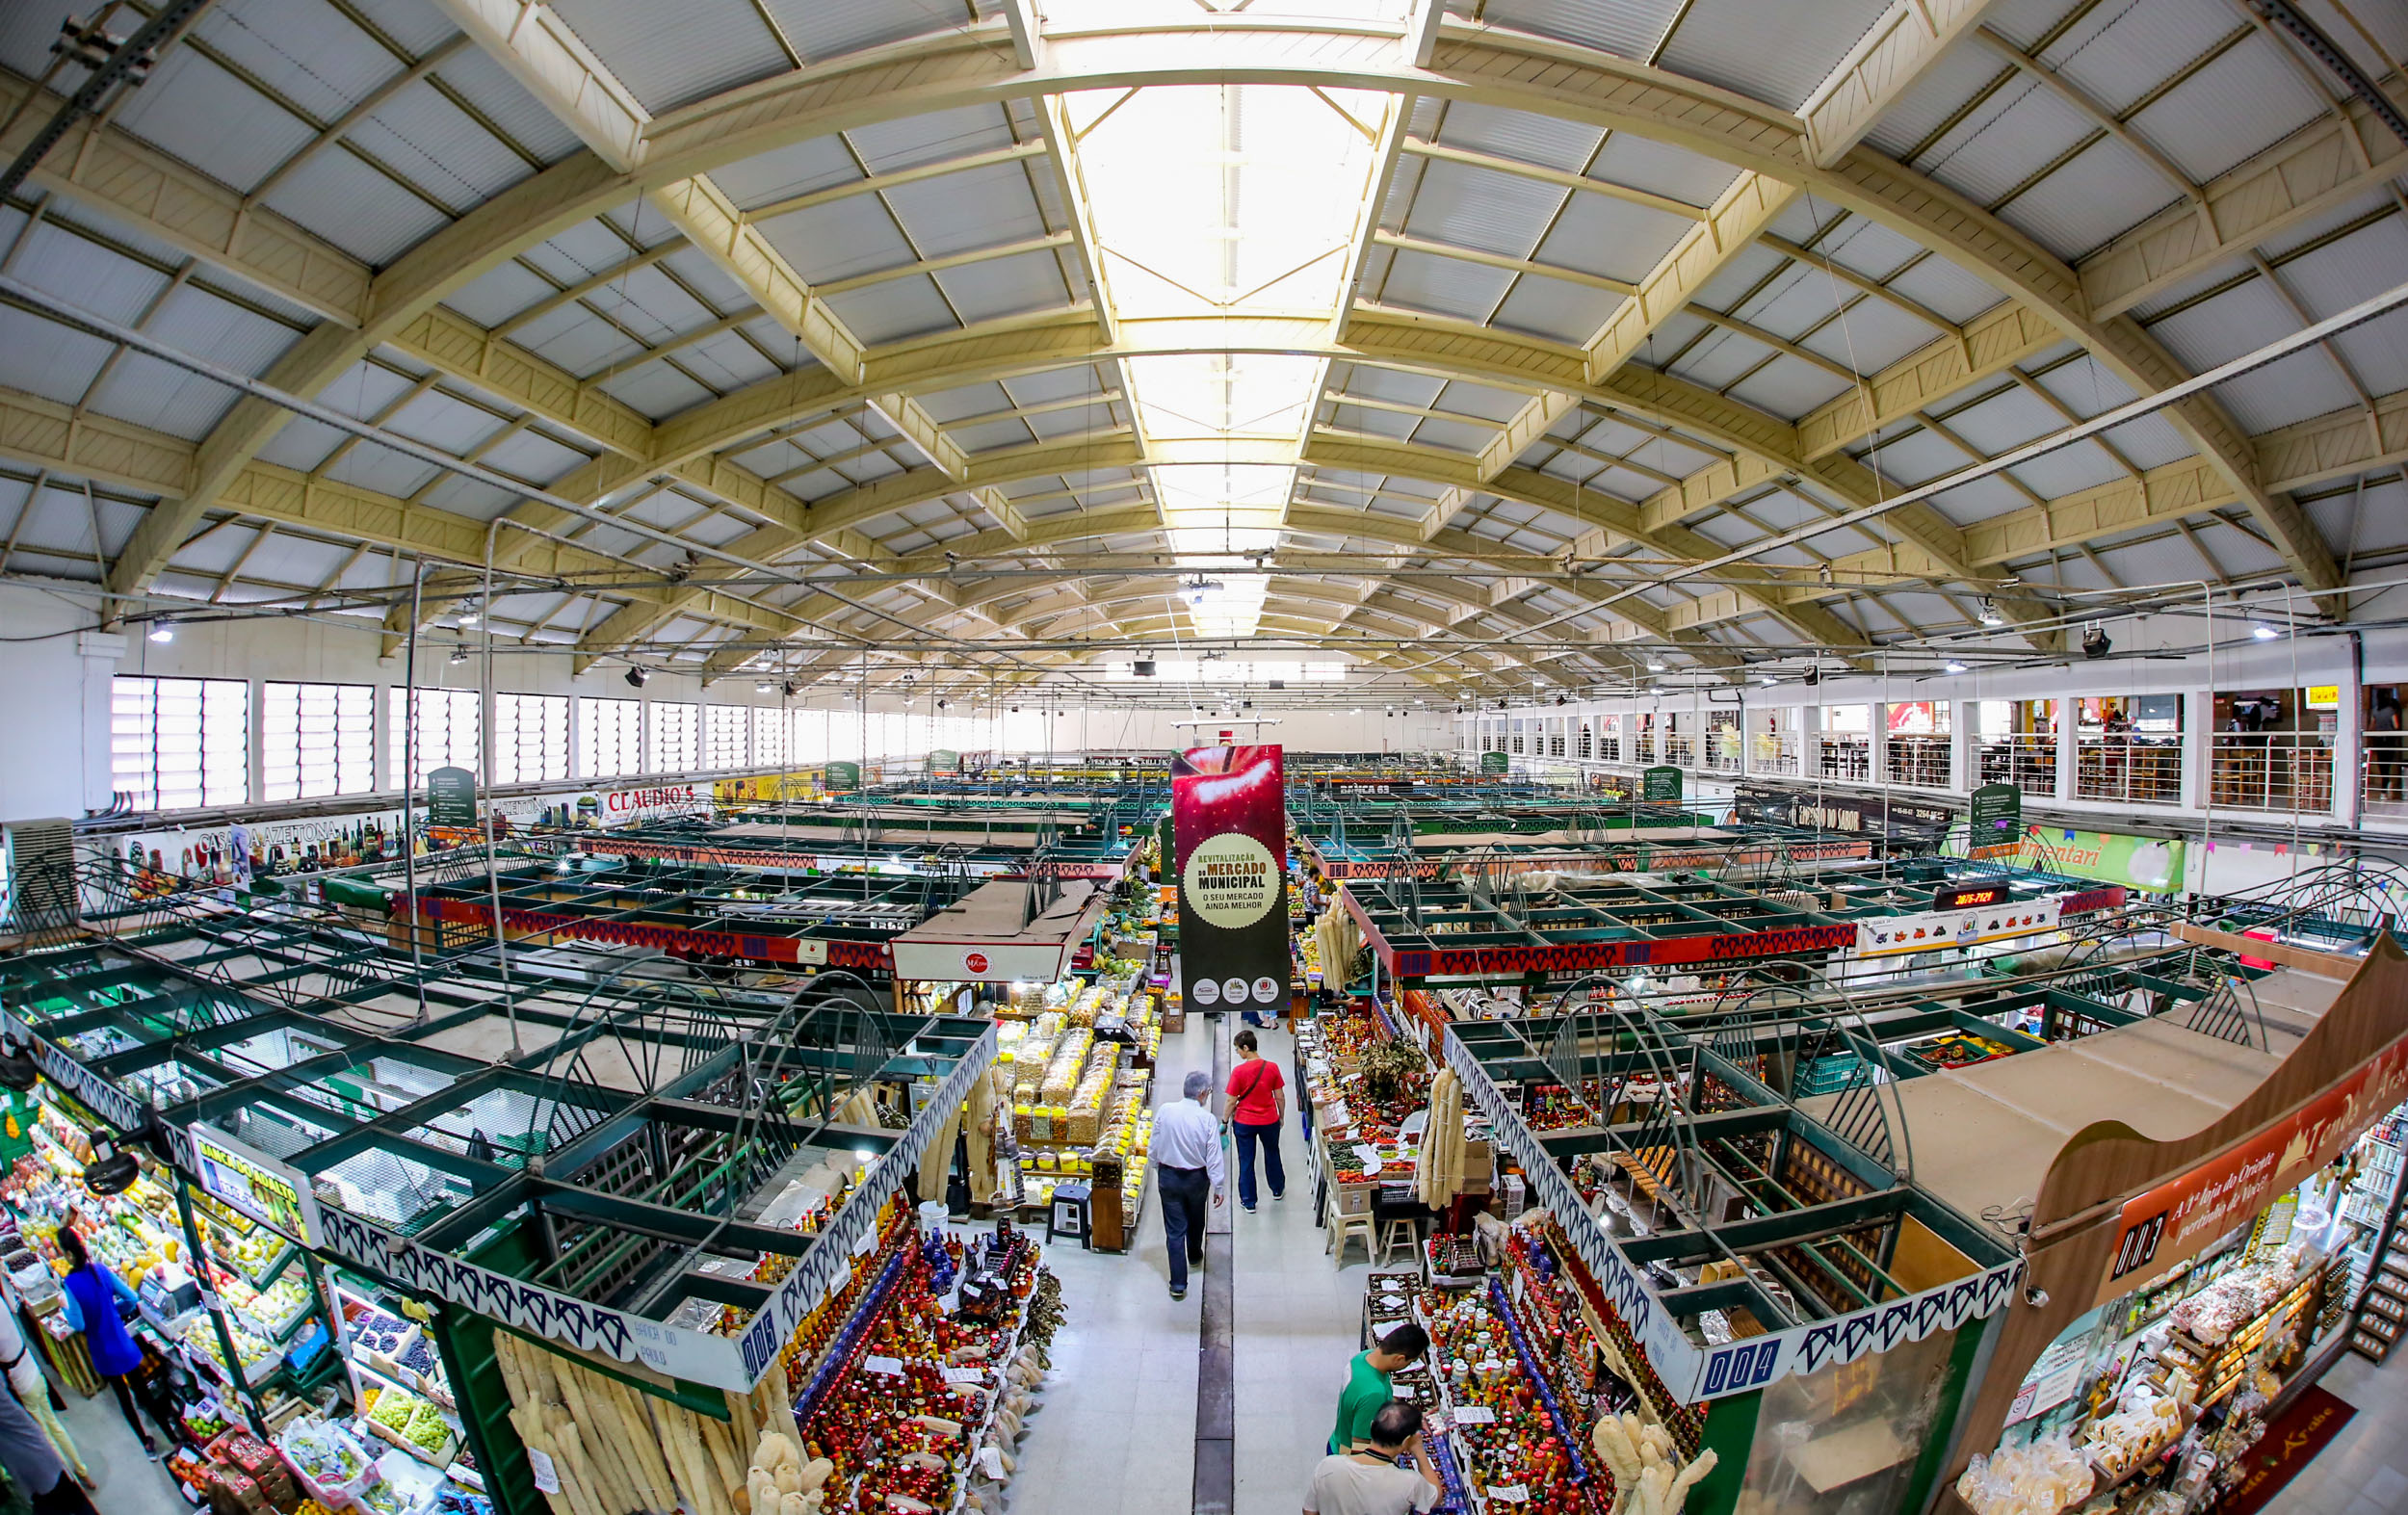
(1237, 203)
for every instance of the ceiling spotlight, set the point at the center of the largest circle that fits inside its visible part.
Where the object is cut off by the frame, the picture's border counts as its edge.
(940, 704)
(163, 631)
(762, 688)
(1990, 615)
(1769, 681)
(1811, 676)
(637, 676)
(1953, 666)
(792, 688)
(470, 613)
(2094, 642)
(2263, 632)
(1654, 665)
(1195, 590)
(460, 655)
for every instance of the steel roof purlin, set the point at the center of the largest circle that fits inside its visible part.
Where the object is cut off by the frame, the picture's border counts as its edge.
(595, 338)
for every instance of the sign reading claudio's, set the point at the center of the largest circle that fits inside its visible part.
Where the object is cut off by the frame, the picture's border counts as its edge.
(1229, 831)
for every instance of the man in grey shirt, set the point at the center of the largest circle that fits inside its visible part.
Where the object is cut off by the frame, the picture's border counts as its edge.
(1187, 1170)
(1369, 1482)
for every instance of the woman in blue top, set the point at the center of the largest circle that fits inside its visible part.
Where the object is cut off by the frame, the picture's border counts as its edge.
(91, 1292)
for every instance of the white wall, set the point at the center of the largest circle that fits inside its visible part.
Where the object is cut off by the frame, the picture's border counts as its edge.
(54, 705)
(1114, 728)
(54, 701)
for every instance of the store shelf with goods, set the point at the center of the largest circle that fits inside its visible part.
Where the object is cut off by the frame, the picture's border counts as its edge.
(2216, 1368)
(1511, 1435)
(919, 1390)
(1079, 1079)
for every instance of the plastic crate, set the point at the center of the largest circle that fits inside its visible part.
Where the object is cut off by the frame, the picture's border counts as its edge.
(1827, 1075)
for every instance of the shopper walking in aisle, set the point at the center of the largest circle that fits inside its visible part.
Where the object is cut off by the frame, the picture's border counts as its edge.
(1258, 1093)
(91, 1308)
(33, 1392)
(1367, 1384)
(1187, 1169)
(33, 1463)
(1369, 1481)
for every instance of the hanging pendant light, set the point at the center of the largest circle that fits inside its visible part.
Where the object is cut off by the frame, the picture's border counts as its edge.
(111, 1169)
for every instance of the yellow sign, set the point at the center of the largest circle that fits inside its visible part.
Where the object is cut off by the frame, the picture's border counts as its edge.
(768, 788)
(2324, 697)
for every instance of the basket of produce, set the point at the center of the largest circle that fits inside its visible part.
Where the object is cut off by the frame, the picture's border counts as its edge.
(332, 1467)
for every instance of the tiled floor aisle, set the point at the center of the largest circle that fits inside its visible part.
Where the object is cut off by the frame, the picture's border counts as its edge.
(1116, 1430)
(2365, 1470)
(1118, 1427)
(1298, 1320)
(129, 1483)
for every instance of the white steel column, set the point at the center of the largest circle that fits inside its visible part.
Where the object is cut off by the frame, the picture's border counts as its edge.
(2063, 710)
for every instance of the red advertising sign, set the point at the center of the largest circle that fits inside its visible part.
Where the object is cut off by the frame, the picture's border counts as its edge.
(1229, 841)
(2185, 1214)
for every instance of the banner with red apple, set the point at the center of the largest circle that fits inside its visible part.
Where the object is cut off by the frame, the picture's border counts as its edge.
(1229, 836)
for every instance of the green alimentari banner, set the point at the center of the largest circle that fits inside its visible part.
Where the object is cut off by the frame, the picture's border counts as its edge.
(1660, 785)
(843, 775)
(1495, 763)
(944, 760)
(2139, 862)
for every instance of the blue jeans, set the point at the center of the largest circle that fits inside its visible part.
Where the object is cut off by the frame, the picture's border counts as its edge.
(1187, 1199)
(1267, 1133)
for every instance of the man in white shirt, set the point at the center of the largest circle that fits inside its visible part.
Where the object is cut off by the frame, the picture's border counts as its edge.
(1187, 1169)
(1369, 1481)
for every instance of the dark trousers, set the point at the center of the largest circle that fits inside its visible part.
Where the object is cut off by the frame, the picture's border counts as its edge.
(1187, 1197)
(123, 1384)
(1267, 1133)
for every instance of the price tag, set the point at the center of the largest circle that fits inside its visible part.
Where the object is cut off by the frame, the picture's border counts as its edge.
(969, 1375)
(1473, 1415)
(891, 1367)
(865, 1242)
(547, 1477)
(1510, 1493)
(992, 1461)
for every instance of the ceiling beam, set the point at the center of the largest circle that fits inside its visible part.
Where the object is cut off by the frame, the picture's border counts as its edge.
(1907, 39)
(974, 64)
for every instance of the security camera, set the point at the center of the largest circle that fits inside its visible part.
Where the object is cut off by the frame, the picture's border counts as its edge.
(2036, 1296)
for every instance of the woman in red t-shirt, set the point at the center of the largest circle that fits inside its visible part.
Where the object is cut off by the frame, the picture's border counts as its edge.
(1258, 1106)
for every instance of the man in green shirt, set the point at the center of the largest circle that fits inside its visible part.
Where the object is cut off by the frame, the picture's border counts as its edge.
(1367, 1385)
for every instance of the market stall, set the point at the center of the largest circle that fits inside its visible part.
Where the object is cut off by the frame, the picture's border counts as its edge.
(399, 1194)
(2193, 1256)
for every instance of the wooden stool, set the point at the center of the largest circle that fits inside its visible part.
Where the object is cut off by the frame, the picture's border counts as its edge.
(1398, 1235)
